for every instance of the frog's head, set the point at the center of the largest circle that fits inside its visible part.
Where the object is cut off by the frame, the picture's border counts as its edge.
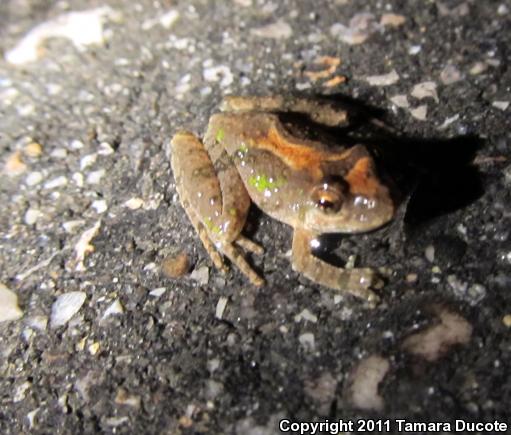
(355, 201)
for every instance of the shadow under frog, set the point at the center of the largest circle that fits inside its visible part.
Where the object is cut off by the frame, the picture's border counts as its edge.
(275, 151)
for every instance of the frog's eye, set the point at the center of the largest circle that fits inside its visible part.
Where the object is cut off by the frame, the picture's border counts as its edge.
(328, 195)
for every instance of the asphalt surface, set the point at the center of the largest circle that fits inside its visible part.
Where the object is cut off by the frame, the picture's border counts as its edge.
(89, 209)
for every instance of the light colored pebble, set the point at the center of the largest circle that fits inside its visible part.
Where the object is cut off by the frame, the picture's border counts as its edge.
(436, 340)
(95, 176)
(429, 252)
(501, 105)
(425, 90)
(420, 112)
(33, 178)
(392, 20)
(105, 149)
(450, 74)
(201, 275)
(70, 226)
(33, 149)
(15, 165)
(220, 307)
(65, 307)
(20, 391)
(9, 309)
(94, 348)
(76, 144)
(78, 179)
(157, 292)
(32, 215)
(305, 314)
(383, 79)
(307, 340)
(99, 205)
(134, 203)
(59, 153)
(114, 308)
(506, 320)
(88, 160)
(220, 73)
(83, 246)
(400, 101)
(56, 182)
(277, 30)
(365, 379)
(478, 68)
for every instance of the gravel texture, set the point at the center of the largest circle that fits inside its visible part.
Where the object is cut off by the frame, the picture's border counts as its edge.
(90, 95)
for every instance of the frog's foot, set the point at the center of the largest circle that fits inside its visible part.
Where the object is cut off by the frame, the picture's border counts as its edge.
(319, 111)
(236, 257)
(215, 256)
(249, 245)
(354, 281)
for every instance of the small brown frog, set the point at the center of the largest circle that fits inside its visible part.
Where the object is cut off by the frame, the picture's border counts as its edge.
(248, 155)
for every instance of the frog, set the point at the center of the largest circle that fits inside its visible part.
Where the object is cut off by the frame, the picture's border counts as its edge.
(249, 155)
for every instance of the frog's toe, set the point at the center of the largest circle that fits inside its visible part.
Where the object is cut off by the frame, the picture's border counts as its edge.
(249, 245)
(237, 259)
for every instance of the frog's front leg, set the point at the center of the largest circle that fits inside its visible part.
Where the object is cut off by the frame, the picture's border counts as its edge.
(215, 201)
(354, 281)
(321, 112)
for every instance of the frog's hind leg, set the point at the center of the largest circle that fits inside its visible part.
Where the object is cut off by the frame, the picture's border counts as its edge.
(354, 281)
(249, 245)
(322, 112)
(214, 198)
(237, 259)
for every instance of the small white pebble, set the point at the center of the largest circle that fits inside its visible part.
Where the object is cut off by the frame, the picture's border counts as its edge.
(430, 253)
(305, 314)
(87, 160)
(59, 153)
(70, 226)
(95, 176)
(383, 79)
(78, 179)
(400, 101)
(76, 144)
(99, 205)
(134, 203)
(425, 90)
(449, 121)
(502, 9)
(157, 292)
(277, 30)
(9, 309)
(420, 112)
(478, 68)
(105, 149)
(32, 215)
(307, 341)
(220, 307)
(114, 308)
(414, 49)
(56, 182)
(501, 105)
(34, 178)
(65, 307)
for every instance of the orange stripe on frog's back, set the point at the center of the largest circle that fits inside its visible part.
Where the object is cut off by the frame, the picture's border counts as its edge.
(295, 155)
(361, 178)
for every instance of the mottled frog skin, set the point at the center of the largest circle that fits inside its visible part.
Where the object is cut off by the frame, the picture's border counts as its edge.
(248, 155)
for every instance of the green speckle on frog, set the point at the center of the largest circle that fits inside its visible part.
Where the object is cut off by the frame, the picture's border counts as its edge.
(248, 155)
